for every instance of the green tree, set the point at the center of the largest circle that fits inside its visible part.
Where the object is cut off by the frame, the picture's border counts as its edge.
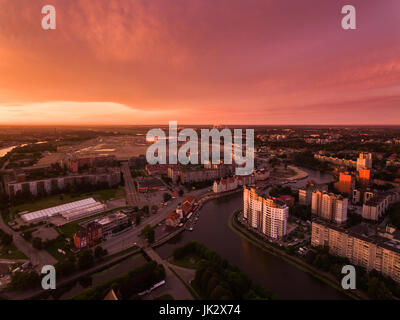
(65, 267)
(37, 243)
(137, 219)
(6, 239)
(99, 252)
(167, 196)
(85, 259)
(149, 233)
(24, 280)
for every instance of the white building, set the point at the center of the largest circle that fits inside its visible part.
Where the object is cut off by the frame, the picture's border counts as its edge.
(225, 185)
(329, 206)
(69, 211)
(364, 161)
(267, 215)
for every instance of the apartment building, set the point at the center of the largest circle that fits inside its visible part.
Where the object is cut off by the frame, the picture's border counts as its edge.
(329, 206)
(265, 214)
(199, 174)
(111, 177)
(346, 183)
(336, 161)
(376, 205)
(75, 164)
(372, 249)
(305, 194)
(364, 161)
(364, 176)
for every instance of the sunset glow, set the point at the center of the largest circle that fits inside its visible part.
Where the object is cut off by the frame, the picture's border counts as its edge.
(199, 61)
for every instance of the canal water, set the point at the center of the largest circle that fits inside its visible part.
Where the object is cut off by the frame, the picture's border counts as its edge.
(4, 151)
(275, 274)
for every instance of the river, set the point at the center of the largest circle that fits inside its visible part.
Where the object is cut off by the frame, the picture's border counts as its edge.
(4, 151)
(275, 274)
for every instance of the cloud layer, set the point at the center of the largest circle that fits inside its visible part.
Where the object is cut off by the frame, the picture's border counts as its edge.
(200, 61)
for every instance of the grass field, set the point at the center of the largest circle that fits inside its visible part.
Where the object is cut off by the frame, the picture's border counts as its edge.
(59, 243)
(190, 261)
(70, 229)
(15, 253)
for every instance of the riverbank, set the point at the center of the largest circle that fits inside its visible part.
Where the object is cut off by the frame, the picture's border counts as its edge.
(300, 174)
(297, 262)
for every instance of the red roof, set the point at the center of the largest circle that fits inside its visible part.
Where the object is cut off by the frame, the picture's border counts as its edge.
(172, 215)
(285, 197)
(188, 204)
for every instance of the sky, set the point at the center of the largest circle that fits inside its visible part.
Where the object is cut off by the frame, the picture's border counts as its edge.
(135, 62)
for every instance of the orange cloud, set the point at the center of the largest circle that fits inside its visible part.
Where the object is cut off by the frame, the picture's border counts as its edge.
(203, 61)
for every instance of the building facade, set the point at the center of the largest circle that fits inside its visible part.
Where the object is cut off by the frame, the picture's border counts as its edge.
(379, 250)
(329, 206)
(265, 214)
(89, 236)
(364, 161)
(346, 183)
(112, 177)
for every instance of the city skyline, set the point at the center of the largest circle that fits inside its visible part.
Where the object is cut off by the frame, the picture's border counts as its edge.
(218, 62)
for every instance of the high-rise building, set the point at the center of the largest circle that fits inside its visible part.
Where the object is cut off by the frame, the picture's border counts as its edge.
(305, 194)
(370, 248)
(364, 176)
(346, 183)
(265, 214)
(329, 206)
(364, 161)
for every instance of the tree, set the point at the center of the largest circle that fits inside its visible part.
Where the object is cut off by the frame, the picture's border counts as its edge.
(85, 259)
(99, 252)
(137, 219)
(6, 239)
(167, 196)
(378, 290)
(66, 267)
(37, 243)
(149, 233)
(24, 280)
(27, 235)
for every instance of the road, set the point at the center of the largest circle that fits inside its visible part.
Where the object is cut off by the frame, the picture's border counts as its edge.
(38, 258)
(127, 239)
(174, 285)
(131, 193)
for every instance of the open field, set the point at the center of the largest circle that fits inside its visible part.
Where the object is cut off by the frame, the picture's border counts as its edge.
(15, 253)
(123, 147)
(189, 261)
